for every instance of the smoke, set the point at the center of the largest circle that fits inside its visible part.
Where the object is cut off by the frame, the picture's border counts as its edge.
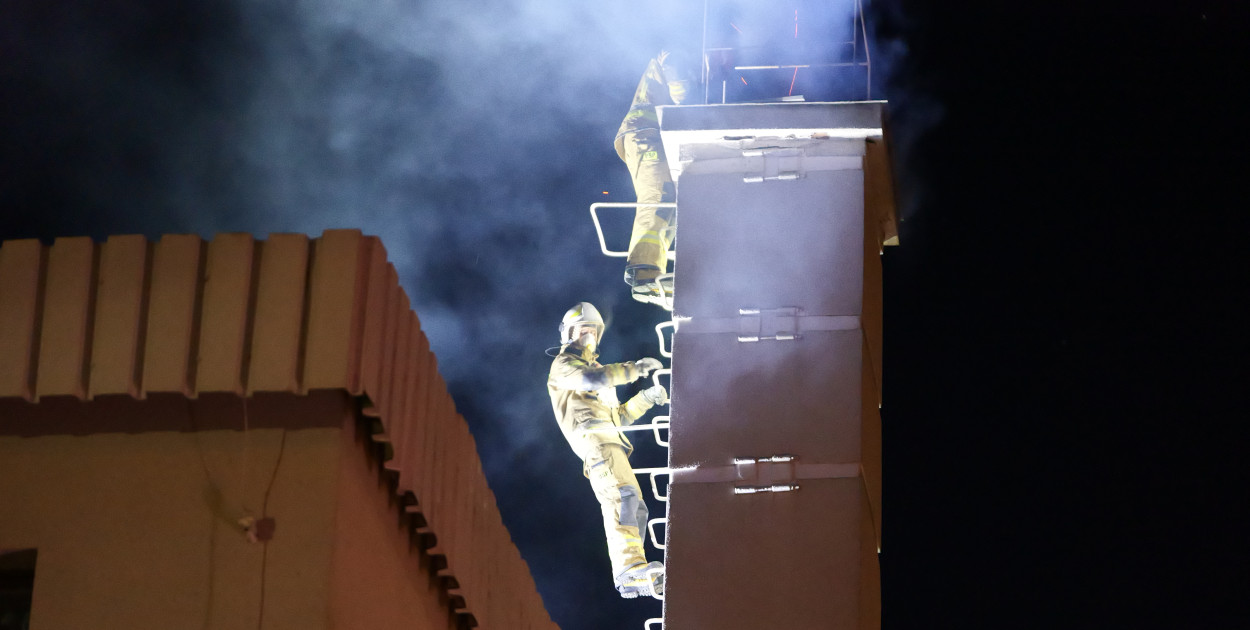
(470, 136)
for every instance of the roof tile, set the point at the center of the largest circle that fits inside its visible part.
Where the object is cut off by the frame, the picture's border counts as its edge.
(64, 342)
(226, 307)
(172, 315)
(120, 311)
(21, 268)
(279, 325)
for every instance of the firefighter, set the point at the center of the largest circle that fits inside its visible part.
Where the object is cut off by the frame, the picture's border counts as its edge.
(583, 396)
(638, 145)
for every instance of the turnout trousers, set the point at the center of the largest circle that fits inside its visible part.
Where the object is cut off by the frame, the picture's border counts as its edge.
(648, 242)
(620, 499)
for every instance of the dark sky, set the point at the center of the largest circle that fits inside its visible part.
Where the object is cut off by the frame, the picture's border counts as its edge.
(1065, 339)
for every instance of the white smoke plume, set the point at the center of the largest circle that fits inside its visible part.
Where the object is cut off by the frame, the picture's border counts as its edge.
(470, 136)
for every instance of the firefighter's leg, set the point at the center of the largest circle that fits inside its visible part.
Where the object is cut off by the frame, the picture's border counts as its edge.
(648, 247)
(620, 499)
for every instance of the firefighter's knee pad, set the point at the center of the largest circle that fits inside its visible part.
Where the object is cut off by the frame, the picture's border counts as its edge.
(634, 511)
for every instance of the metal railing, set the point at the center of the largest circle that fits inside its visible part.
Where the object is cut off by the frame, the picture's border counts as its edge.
(651, 530)
(655, 376)
(659, 423)
(656, 472)
(603, 245)
(659, 332)
(651, 573)
(859, 37)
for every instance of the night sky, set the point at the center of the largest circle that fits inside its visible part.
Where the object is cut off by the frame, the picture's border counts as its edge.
(1065, 354)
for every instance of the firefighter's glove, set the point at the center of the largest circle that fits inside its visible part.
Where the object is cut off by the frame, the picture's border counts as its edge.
(647, 366)
(656, 394)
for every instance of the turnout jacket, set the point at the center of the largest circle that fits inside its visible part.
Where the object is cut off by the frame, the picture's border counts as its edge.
(583, 396)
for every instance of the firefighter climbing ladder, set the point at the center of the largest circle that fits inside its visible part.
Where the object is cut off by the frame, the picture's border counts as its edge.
(658, 423)
(774, 428)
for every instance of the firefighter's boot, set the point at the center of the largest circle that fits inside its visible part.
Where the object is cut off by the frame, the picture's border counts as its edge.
(642, 580)
(657, 290)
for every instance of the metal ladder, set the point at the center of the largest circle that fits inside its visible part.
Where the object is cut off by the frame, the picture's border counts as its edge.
(658, 423)
(670, 233)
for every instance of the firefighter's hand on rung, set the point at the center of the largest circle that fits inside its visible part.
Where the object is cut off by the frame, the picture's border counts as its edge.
(646, 366)
(656, 395)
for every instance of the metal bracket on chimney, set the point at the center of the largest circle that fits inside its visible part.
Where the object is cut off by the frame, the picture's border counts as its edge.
(765, 474)
(783, 164)
(777, 324)
(781, 324)
(775, 473)
(775, 164)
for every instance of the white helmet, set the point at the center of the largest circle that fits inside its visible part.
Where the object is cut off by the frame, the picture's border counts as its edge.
(582, 314)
